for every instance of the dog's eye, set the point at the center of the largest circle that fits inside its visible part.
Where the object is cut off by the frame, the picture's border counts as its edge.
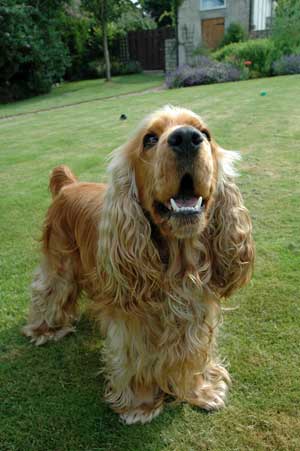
(150, 140)
(206, 134)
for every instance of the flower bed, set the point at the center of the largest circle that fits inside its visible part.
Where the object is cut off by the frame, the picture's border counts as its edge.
(205, 72)
(287, 64)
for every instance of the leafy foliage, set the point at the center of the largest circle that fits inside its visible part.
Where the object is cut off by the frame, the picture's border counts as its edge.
(164, 12)
(96, 68)
(207, 71)
(133, 19)
(106, 12)
(32, 55)
(201, 50)
(112, 8)
(286, 29)
(234, 33)
(160, 11)
(43, 42)
(259, 53)
(79, 38)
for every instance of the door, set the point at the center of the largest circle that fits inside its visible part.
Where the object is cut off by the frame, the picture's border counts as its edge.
(212, 32)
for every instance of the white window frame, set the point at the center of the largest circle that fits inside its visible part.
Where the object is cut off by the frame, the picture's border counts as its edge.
(210, 9)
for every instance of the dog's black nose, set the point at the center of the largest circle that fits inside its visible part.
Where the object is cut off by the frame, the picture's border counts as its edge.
(185, 141)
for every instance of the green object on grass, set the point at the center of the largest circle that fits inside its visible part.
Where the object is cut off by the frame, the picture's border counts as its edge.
(263, 93)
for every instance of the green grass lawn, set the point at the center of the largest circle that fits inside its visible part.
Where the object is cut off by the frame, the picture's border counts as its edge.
(51, 397)
(83, 91)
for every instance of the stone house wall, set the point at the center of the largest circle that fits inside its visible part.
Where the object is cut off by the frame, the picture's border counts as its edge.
(190, 17)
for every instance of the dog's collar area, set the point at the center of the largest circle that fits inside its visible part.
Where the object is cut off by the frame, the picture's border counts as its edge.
(159, 241)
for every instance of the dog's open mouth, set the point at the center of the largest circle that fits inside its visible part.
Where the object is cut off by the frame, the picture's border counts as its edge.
(184, 204)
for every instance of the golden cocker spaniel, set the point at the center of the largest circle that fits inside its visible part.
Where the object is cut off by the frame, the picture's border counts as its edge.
(155, 250)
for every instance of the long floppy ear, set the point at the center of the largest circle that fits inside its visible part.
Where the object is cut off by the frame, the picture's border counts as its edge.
(229, 231)
(128, 262)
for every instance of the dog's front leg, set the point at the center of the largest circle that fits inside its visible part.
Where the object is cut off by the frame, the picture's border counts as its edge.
(131, 389)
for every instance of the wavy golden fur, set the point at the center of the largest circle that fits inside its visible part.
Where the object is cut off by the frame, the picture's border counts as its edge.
(155, 270)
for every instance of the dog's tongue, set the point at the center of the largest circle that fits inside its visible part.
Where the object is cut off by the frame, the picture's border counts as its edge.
(186, 202)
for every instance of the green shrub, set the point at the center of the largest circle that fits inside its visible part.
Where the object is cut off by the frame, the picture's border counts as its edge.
(132, 67)
(32, 55)
(201, 51)
(96, 68)
(285, 28)
(234, 33)
(259, 54)
(76, 35)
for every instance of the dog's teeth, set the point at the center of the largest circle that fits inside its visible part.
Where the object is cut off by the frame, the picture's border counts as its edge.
(174, 205)
(183, 209)
(199, 203)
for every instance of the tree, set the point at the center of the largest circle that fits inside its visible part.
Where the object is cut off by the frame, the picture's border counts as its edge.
(134, 19)
(99, 8)
(104, 20)
(286, 29)
(164, 12)
(32, 55)
(106, 11)
(159, 10)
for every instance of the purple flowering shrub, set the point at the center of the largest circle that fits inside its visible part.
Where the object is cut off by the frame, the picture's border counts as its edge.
(287, 64)
(205, 72)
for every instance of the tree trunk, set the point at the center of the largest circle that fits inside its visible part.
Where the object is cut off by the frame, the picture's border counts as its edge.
(105, 42)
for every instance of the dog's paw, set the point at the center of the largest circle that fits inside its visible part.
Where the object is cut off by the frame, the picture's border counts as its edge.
(211, 390)
(211, 396)
(140, 415)
(42, 335)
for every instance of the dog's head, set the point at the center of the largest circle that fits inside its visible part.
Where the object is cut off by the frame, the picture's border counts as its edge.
(173, 175)
(175, 164)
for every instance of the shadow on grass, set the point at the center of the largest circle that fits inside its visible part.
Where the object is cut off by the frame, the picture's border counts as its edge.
(52, 398)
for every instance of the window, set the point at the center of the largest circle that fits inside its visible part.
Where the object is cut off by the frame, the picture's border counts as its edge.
(212, 4)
